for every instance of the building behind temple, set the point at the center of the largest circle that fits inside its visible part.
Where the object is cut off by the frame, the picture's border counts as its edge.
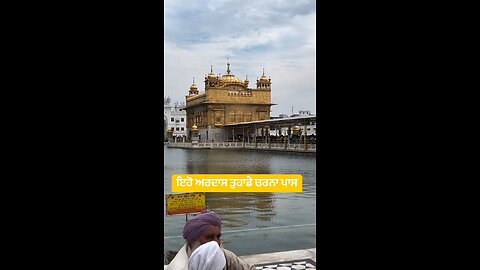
(311, 126)
(174, 118)
(226, 100)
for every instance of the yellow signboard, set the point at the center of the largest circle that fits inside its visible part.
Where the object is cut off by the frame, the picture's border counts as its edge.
(185, 203)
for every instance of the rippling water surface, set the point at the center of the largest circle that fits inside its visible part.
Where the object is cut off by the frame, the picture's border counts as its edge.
(252, 222)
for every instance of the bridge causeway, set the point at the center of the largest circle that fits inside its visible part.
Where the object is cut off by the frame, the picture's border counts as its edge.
(282, 147)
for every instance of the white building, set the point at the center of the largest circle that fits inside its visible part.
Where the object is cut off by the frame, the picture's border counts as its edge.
(167, 111)
(176, 117)
(311, 127)
(178, 120)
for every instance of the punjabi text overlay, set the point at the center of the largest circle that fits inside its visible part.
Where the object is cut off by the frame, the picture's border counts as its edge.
(237, 183)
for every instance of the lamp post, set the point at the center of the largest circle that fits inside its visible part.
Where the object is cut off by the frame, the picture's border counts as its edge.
(194, 135)
(170, 134)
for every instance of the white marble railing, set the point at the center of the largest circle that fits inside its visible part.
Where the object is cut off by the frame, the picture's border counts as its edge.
(279, 146)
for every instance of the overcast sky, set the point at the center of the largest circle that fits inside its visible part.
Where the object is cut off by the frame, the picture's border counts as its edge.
(273, 34)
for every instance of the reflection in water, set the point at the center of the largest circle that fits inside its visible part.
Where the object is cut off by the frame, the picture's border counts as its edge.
(225, 161)
(247, 217)
(237, 208)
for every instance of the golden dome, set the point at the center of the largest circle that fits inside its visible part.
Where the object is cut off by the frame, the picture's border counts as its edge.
(193, 88)
(229, 77)
(211, 74)
(263, 78)
(194, 127)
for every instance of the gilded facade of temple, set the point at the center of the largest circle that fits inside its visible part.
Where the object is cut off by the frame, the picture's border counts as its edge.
(226, 100)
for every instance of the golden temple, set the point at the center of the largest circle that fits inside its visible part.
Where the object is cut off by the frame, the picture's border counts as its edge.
(226, 100)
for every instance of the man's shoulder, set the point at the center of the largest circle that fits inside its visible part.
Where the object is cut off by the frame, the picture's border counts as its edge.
(226, 251)
(180, 261)
(234, 262)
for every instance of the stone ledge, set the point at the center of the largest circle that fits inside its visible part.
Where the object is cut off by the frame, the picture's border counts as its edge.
(282, 256)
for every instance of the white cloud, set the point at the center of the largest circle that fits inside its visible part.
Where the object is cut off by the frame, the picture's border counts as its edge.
(276, 35)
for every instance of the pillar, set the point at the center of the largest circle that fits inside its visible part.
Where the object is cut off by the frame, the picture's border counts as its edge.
(305, 136)
(243, 136)
(255, 135)
(269, 139)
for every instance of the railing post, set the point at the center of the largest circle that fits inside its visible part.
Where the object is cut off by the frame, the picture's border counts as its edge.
(243, 137)
(305, 135)
(255, 135)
